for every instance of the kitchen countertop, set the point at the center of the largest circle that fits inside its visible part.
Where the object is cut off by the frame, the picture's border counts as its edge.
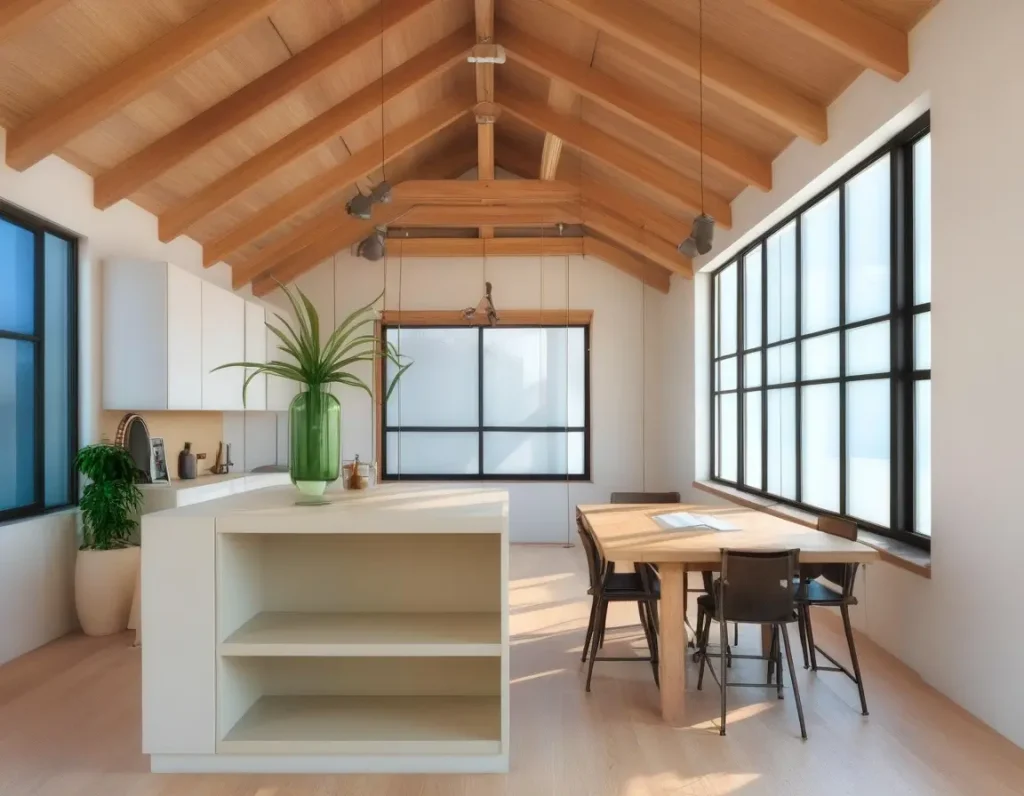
(208, 479)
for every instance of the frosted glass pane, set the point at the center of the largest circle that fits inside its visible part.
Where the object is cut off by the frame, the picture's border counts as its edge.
(781, 420)
(17, 423)
(923, 457)
(820, 358)
(752, 440)
(780, 289)
(526, 453)
(440, 389)
(727, 310)
(819, 446)
(727, 374)
(868, 249)
(923, 220)
(17, 278)
(867, 450)
(923, 341)
(727, 452)
(56, 410)
(819, 233)
(534, 377)
(781, 364)
(432, 453)
(867, 349)
(752, 299)
(752, 369)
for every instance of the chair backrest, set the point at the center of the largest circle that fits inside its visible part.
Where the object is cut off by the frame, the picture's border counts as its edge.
(840, 574)
(757, 586)
(595, 562)
(645, 497)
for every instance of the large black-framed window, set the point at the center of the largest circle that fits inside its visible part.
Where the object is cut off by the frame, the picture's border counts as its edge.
(821, 350)
(499, 403)
(38, 373)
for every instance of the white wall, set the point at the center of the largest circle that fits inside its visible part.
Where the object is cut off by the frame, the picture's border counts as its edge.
(962, 629)
(540, 512)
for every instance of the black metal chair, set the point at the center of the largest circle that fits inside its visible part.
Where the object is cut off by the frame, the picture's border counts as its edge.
(755, 588)
(607, 586)
(813, 592)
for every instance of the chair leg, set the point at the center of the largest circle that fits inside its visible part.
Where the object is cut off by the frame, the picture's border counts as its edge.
(602, 612)
(736, 634)
(590, 629)
(778, 663)
(810, 640)
(801, 617)
(772, 654)
(845, 610)
(703, 629)
(723, 631)
(603, 623)
(796, 687)
(698, 640)
(643, 608)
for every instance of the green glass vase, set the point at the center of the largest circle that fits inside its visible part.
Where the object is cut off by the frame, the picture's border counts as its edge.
(314, 424)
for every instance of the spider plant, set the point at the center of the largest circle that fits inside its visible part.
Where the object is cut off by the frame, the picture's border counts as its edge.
(315, 365)
(111, 502)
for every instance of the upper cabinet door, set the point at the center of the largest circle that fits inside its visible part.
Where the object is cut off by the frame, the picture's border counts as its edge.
(223, 342)
(184, 339)
(255, 351)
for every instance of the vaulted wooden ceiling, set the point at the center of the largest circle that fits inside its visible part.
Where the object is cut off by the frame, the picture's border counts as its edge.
(248, 124)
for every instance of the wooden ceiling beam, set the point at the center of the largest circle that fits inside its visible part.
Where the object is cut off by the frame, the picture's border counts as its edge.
(639, 106)
(85, 106)
(361, 163)
(561, 98)
(483, 12)
(678, 47)
(17, 15)
(479, 247)
(162, 155)
(484, 192)
(488, 215)
(676, 189)
(847, 30)
(640, 241)
(647, 272)
(320, 130)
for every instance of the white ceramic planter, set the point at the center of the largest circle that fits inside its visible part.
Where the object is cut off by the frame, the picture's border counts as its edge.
(104, 586)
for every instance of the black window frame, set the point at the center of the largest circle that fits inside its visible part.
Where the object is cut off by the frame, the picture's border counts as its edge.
(902, 374)
(39, 228)
(480, 429)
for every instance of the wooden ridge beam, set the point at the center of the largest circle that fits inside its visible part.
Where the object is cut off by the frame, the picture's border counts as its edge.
(647, 272)
(85, 106)
(680, 191)
(17, 15)
(447, 166)
(562, 317)
(479, 247)
(637, 105)
(363, 162)
(484, 192)
(640, 241)
(483, 14)
(847, 30)
(677, 47)
(159, 157)
(488, 215)
(320, 130)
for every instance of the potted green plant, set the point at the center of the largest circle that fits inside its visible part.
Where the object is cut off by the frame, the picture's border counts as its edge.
(314, 416)
(108, 559)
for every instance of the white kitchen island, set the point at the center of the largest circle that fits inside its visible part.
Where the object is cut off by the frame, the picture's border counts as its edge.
(369, 634)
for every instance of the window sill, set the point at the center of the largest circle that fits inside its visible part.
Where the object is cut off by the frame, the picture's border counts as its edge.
(892, 551)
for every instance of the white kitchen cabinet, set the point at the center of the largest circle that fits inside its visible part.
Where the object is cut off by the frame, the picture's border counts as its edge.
(256, 351)
(152, 336)
(223, 342)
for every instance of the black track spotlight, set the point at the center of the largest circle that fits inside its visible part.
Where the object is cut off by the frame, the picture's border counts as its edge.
(702, 236)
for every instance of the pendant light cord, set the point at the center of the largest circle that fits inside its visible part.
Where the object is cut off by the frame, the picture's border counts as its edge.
(700, 90)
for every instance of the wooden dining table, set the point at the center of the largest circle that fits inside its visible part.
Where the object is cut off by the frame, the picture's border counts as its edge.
(630, 533)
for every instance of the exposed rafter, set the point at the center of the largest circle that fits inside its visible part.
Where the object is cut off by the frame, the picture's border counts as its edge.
(639, 106)
(678, 190)
(128, 176)
(363, 162)
(676, 46)
(104, 94)
(484, 15)
(644, 243)
(550, 246)
(17, 15)
(489, 215)
(319, 131)
(560, 99)
(485, 192)
(848, 30)
(644, 270)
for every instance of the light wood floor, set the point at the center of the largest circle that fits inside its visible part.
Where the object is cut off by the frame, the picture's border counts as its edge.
(69, 723)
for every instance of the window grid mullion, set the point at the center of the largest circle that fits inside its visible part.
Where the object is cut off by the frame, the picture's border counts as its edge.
(764, 355)
(40, 371)
(842, 349)
(798, 325)
(741, 406)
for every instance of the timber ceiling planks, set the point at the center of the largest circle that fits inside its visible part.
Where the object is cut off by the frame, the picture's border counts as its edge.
(100, 81)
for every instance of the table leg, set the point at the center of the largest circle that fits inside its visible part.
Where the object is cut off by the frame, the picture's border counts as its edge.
(672, 648)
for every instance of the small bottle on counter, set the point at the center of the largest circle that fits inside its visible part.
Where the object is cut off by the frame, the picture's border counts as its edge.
(187, 463)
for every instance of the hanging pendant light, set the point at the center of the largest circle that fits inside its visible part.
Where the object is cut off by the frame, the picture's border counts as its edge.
(702, 233)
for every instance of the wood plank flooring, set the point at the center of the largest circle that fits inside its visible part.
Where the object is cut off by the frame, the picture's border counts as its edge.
(69, 723)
